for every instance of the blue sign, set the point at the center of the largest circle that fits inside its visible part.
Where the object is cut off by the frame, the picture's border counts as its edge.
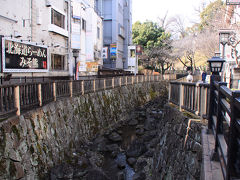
(113, 51)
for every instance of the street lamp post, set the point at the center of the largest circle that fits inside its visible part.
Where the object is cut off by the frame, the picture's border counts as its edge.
(223, 39)
(215, 65)
(75, 55)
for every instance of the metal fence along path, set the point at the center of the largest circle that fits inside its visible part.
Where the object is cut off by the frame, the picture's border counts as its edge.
(221, 106)
(19, 98)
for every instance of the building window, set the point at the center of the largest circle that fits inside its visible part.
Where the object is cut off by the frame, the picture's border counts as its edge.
(58, 19)
(84, 24)
(98, 32)
(57, 62)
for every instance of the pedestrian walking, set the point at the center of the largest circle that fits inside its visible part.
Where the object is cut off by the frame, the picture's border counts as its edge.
(204, 74)
(190, 77)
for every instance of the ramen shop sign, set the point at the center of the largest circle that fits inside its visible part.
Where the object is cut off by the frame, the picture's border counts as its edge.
(24, 57)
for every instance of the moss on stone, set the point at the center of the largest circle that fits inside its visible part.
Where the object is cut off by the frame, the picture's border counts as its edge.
(45, 149)
(55, 134)
(3, 167)
(190, 115)
(67, 158)
(31, 149)
(2, 141)
(50, 155)
(76, 110)
(12, 169)
(45, 128)
(65, 118)
(32, 123)
(39, 149)
(15, 131)
(71, 144)
(152, 93)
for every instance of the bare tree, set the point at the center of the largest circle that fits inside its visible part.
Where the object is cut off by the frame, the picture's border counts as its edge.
(184, 51)
(160, 57)
(207, 43)
(176, 26)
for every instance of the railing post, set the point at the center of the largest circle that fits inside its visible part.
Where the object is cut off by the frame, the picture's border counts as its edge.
(126, 80)
(120, 81)
(181, 94)
(113, 83)
(196, 103)
(54, 91)
(170, 91)
(204, 101)
(40, 94)
(104, 84)
(137, 79)
(211, 103)
(17, 100)
(232, 138)
(83, 87)
(71, 88)
(94, 85)
(198, 98)
(219, 121)
(132, 79)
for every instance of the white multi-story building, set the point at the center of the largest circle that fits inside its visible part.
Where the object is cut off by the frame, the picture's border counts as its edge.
(117, 31)
(87, 36)
(51, 30)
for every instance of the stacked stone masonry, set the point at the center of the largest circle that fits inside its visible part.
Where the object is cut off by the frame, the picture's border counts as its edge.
(39, 139)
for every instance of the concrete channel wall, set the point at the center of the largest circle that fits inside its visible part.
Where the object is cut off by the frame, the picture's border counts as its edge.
(37, 140)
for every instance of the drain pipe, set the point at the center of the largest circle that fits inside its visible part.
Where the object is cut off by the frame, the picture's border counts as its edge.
(188, 128)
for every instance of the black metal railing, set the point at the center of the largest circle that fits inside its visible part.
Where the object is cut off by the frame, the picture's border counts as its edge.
(221, 106)
(19, 98)
(224, 122)
(117, 81)
(129, 79)
(123, 80)
(7, 99)
(175, 92)
(109, 83)
(193, 97)
(77, 87)
(88, 86)
(47, 92)
(190, 100)
(99, 84)
(28, 96)
(62, 89)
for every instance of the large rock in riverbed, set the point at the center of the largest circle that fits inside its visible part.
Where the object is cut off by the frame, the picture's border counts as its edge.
(136, 149)
(115, 137)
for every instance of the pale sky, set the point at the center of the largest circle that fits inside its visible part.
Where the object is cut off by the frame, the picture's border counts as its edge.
(143, 10)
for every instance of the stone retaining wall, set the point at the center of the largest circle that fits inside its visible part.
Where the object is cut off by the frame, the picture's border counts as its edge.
(39, 139)
(178, 155)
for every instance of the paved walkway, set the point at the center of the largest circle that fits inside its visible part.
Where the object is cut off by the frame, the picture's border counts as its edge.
(211, 169)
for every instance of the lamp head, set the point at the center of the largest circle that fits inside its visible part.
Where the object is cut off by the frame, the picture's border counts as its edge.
(216, 64)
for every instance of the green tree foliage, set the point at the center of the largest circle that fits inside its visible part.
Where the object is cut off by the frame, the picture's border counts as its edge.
(149, 34)
(156, 43)
(211, 13)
